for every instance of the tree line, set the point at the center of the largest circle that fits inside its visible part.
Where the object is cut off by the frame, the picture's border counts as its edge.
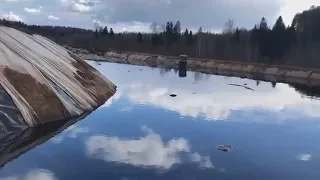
(295, 44)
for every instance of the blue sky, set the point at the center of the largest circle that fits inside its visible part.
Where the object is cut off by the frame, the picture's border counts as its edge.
(137, 15)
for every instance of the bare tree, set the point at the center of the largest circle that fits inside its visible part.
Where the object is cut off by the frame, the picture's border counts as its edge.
(97, 25)
(229, 27)
(157, 28)
(154, 28)
(199, 34)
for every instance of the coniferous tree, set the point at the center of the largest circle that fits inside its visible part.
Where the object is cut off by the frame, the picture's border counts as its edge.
(301, 39)
(100, 31)
(111, 33)
(190, 39)
(139, 37)
(186, 33)
(237, 35)
(307, 25)
(169, 34)
(263, 38)
(254, 35)
(177, 31)
(291, 35)
(278, 38)
(155, 40)
(105, 31)
(96, 34)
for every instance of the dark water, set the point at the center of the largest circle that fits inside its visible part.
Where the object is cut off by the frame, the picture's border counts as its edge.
(144, 133)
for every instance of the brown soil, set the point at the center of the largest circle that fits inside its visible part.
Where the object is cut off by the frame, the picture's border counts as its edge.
(96, 86)
(43, 100)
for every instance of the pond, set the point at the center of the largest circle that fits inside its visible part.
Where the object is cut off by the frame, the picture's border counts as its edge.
(145, 132)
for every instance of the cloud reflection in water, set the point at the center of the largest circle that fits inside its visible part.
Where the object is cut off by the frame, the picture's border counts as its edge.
(148, 151)
(35, 174)
(72, 132)
(208, 96)
(304, 157)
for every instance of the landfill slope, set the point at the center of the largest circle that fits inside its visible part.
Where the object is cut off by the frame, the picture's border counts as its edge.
(45, 82)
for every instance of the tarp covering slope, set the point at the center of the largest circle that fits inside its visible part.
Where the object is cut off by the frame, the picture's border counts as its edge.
(45, 81)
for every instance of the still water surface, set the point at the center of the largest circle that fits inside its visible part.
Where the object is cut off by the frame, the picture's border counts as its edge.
(143, 133)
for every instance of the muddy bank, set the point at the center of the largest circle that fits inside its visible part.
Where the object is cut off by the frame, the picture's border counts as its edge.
(255, 71)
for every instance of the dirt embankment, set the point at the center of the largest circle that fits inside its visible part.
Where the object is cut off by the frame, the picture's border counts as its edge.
(272, 73)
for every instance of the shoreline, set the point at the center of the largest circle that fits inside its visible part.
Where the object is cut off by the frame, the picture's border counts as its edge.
(255, 71)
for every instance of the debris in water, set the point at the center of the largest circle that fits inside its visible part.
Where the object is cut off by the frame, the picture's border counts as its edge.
(224, 148)
(242, 86)
(245, 84)
(173, 95)
(140, 69)
(194, 93)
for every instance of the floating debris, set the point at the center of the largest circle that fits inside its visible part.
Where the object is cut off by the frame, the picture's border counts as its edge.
(173, 95)
(224, 148)
(194, 93)
(242, 86)
(140, 69)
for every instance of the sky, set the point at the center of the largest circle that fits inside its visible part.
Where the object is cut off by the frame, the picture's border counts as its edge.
(137, 15)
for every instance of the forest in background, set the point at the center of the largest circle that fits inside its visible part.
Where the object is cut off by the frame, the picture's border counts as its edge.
(297, 44)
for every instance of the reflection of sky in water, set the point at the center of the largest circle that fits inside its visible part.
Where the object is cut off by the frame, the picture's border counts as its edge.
(145, 151)
(209, 96)
(143, 133)
(34, 174)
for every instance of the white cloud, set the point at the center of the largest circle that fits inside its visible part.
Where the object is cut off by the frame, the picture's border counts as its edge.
(33, 10)
(292, 7)
(208, 14)
(53, 18)
(149, 150)
(36, 174)
(112, 99)
(133, 26)
(97, 25)
(126, 15)
(81, 6)
(204, 162)
(11, 16)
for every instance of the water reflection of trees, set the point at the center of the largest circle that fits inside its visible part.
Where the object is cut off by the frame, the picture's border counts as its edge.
(308, 91)
(198, 76)
(164, 71)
